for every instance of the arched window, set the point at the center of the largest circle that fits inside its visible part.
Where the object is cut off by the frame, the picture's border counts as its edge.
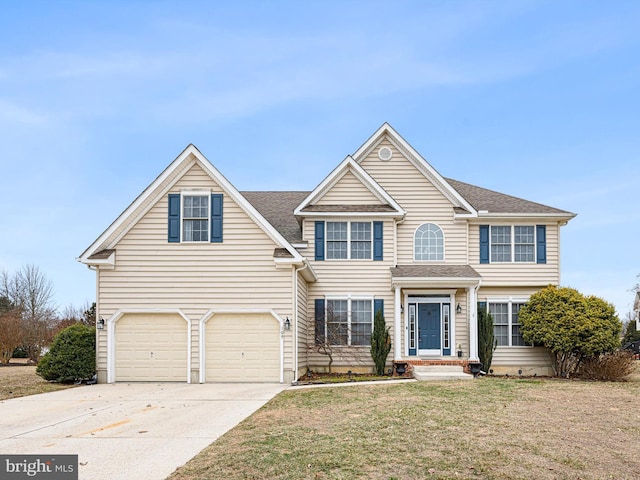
(429, 243)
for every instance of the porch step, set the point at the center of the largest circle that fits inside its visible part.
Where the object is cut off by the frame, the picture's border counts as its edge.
(440, 373)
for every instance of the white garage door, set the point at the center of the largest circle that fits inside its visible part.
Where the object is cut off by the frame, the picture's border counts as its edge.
(151, 348)
(242, 348)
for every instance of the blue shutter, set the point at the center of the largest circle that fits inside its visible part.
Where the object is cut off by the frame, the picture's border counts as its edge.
(378, 305)
(377, 240)
(320, 327)
(482, 305)
(319, 236)
(541, 243)
(174, 218)
(484, 243)
(216, 218)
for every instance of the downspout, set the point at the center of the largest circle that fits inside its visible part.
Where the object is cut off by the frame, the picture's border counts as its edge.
(295, 319)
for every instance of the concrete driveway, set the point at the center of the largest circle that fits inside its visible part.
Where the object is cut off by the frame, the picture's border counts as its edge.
(125, 431)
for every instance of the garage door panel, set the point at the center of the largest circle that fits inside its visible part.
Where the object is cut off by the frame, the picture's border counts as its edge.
(151, 347)
(242, 348)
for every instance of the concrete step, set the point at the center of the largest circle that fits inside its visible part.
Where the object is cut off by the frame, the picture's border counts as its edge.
(440, 373)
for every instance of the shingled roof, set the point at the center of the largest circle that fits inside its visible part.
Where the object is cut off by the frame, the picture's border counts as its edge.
(495, 202)
(277, 207)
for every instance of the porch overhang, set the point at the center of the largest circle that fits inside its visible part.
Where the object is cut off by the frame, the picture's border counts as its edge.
(438, 276)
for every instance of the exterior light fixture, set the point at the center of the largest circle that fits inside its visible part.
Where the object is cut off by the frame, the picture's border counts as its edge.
(100, 324)
(458, 309)
(287, 324)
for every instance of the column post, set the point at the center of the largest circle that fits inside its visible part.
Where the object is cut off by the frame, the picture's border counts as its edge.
(473, 323)
(397, 333)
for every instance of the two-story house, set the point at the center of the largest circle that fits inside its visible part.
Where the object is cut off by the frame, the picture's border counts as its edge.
(199, 282)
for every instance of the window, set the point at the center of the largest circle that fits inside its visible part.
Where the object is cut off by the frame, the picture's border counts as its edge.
(361, 316)
(195, 218)
(361, 240)
(429, 243)
(516, 336)
(338, 322)
(515, 244)
(337, 240)
(506, 325)
(349, 322)
(349, 240)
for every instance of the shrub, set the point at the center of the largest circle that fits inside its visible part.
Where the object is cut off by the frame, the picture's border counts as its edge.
(572, 326)
(72, 356)
(380, 343)
(486, 339)
(609, 367)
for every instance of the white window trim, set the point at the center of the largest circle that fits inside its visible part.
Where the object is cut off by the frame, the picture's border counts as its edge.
(196, 192)
(349, 298)
(509, 301)
(348, 222)
(444, 243)
(513, 243)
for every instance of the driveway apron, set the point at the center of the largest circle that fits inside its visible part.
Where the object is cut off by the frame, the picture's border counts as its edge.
(124, 431)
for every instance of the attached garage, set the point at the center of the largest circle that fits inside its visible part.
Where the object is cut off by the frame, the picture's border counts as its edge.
(241, 347)
(151, 347)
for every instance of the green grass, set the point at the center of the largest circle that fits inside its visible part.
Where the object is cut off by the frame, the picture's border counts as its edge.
(490, 428)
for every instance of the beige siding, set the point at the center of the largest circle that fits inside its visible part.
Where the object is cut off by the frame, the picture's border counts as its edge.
(528, 360)
(349, 191)
(423, 202)
(151, 273)
(462, 324)
(514, 274)
(304, 323)
(352, 277)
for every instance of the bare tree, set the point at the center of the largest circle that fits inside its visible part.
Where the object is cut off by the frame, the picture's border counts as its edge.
(10, 333)
(331, 338)
(32, 292)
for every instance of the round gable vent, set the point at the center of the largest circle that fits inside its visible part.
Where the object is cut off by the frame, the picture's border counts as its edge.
(385, 154)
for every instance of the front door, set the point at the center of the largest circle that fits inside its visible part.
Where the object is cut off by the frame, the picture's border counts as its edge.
(429, 325)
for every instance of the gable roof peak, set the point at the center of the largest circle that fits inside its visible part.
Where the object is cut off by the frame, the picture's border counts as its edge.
(349, 165)
(386, 131)
(161, 185)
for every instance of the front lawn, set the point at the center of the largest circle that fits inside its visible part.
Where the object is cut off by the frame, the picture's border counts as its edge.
(19, 380)
(490, 428)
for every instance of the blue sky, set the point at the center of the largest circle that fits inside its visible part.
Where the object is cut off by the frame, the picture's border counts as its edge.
(535, 99)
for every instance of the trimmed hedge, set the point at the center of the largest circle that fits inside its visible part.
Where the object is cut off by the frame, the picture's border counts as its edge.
(72, 356)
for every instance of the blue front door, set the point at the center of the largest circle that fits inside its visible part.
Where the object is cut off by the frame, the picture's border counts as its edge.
(429, 326)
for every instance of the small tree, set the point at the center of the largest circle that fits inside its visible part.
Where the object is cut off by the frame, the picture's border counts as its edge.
(32, 292)
(380, 342)
(486, 339)
(573, 327)
(72, 355)
(10, 333)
